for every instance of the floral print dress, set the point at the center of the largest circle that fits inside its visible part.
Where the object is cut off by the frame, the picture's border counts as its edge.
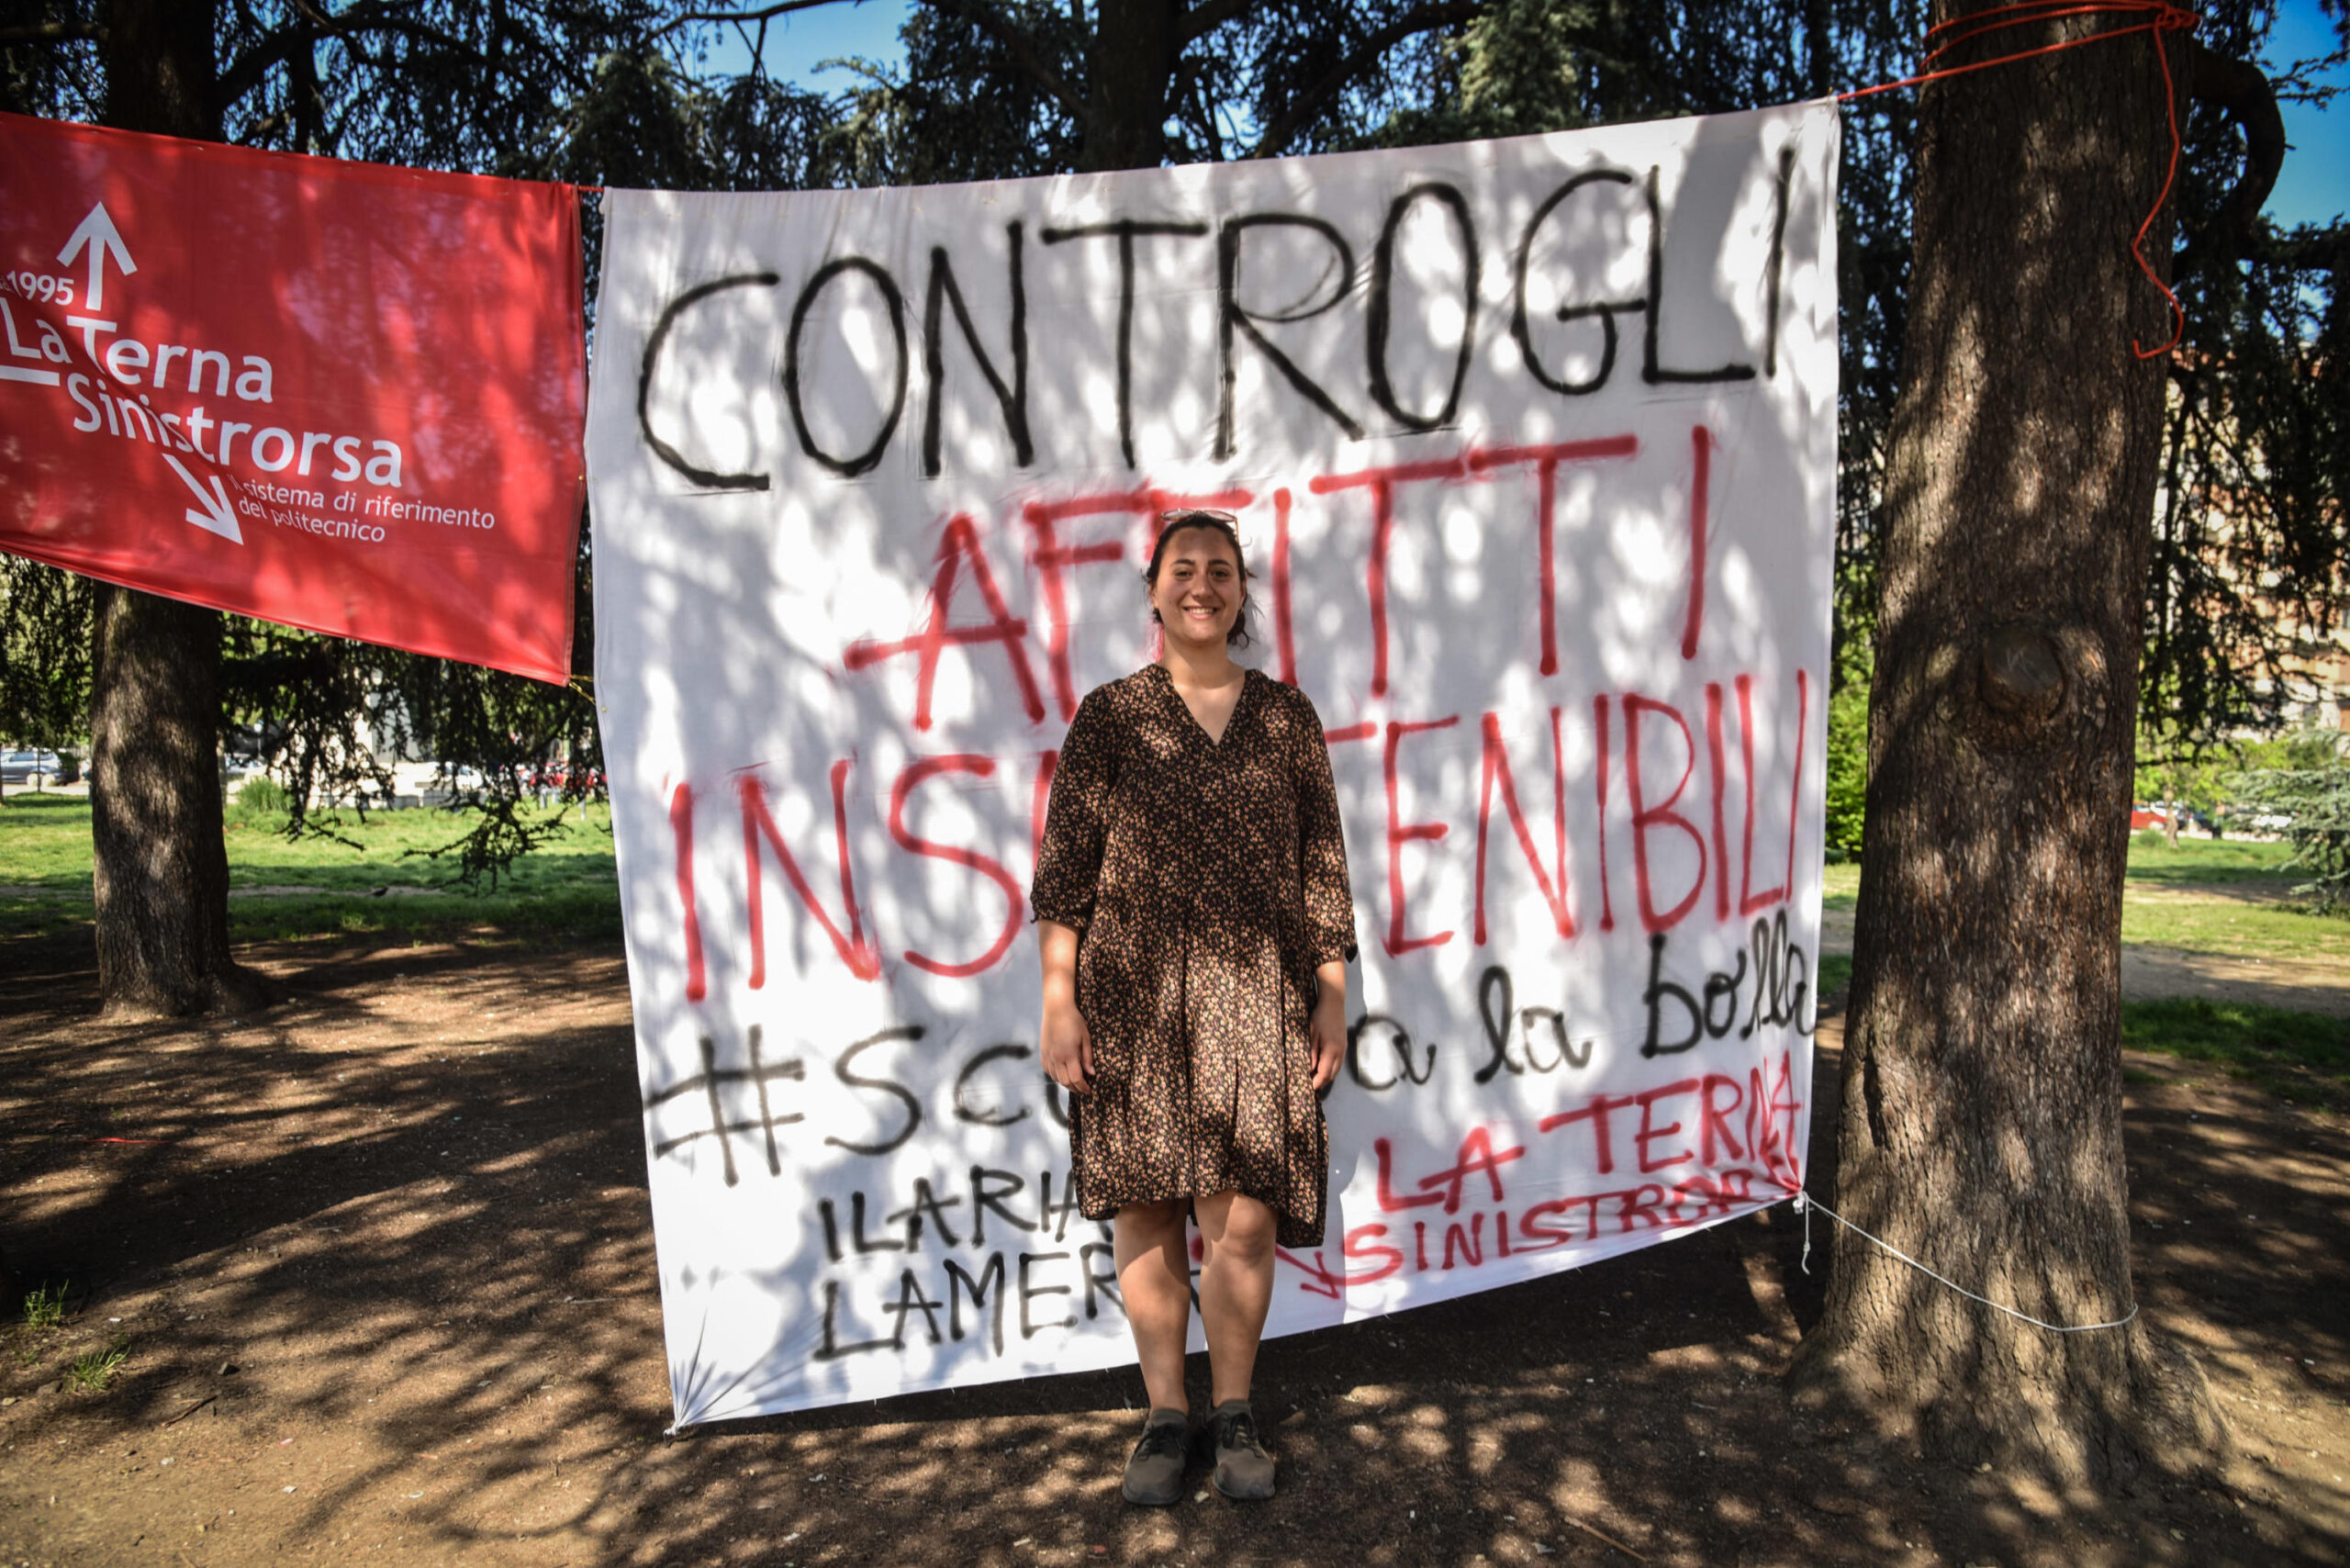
(1207, 881)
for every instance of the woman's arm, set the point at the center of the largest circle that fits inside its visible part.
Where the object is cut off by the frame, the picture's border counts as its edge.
(1322, 851)
(1068, 870)
(1329, 902)
(1327, 1027)
(1063, 1041)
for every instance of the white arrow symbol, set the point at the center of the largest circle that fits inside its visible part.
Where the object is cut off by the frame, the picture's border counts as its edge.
(99, 235)
(217, 516)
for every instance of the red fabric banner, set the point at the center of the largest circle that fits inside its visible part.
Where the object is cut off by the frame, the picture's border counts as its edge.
(340, 396)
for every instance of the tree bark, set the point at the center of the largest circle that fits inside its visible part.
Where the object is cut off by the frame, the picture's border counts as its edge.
(160, 871)
(1135, 44)
(1981, 1129)
(160, 867)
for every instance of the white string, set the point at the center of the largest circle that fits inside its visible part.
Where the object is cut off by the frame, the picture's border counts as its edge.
(1805, 1202)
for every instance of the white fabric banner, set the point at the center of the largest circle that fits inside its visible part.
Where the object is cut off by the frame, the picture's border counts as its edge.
(1533, 447)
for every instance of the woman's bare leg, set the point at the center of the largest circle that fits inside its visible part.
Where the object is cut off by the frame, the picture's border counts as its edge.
(1236, 1287)
(1155, 1282)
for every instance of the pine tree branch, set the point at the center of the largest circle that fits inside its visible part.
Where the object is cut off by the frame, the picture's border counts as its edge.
(52, 32)
(1309, 103)
(2238, 88)
(2323, 250)
(369, 16)
(757, 14)
(1018, 45)
(1211, 15)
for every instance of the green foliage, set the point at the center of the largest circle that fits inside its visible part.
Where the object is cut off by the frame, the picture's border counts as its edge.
(1007, 90)
(2172, 769)
(2251, 562)
(1848, 768)
(44, 654)
(262, 799)
(2308, 747)
(45, 1308)
(2301, 1055)
(963, 107)
(91, 1371)
(1835, 975)
(2314, 804)
(376, 878)
(329, 717)
(645, 121)
(506, 832)
(1519, 68)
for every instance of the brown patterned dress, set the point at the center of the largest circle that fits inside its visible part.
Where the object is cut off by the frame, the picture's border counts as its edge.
(1207, 880)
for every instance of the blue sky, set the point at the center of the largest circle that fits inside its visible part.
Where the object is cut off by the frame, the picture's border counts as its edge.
(2314, 187)
(797, 43)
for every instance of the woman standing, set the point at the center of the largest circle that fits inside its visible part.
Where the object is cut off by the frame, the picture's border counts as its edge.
(1196, 925)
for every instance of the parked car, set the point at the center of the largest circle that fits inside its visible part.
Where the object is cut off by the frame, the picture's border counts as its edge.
(27, 766)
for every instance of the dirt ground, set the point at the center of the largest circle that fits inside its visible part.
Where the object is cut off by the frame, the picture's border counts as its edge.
(382, 1266)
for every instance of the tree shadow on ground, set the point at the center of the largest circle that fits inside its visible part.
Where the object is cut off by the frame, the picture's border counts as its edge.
(406, 1207)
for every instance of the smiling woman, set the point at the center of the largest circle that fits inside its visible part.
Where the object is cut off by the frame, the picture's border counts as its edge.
(1195, 923)
(1205, 584)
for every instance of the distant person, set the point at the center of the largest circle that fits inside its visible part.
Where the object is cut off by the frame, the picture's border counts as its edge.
(1196, 923)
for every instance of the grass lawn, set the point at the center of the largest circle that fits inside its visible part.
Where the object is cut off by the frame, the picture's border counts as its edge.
(383, 881)
(2224, 897)
(2246, 930)
(2219, 896)
(45, 842)
(2301, 1055)
(2153, 863)
(2208, 896)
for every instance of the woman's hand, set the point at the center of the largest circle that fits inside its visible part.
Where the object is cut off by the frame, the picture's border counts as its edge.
(1328, 1025)
(1068, 1047)
(1062, 1039)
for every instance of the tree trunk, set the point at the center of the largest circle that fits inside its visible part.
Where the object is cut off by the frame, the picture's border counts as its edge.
(161, 872)
(160, 867)
(1135, 45)
(1981, 1129)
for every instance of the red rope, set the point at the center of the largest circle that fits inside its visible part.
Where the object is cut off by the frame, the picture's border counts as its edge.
(2161, 18)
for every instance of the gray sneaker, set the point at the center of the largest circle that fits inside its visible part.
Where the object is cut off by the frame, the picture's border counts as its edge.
(1155, 1471)
(1243, 1470)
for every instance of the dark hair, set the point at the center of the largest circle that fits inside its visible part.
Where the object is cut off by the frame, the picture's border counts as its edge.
(1171, 523)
